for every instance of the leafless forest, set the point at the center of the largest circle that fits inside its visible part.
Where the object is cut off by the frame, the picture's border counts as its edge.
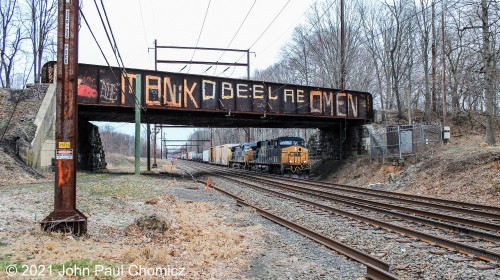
(406, 53)
(419, 55)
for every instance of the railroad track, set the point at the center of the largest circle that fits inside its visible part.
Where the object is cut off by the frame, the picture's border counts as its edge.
(477, 229)
(376, 269)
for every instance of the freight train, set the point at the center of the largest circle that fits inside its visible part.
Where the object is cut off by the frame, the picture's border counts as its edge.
(283, 155)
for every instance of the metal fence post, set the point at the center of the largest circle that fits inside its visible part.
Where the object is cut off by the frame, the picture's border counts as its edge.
(399, 141)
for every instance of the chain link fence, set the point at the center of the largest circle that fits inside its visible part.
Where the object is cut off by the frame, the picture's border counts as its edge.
(397, 142)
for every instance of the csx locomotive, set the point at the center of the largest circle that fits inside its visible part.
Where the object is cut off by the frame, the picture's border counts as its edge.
(283, 155)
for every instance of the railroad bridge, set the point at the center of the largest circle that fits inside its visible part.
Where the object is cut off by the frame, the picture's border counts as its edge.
(109, 94)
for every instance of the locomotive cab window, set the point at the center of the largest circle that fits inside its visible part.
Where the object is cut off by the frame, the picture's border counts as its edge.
(285, 143)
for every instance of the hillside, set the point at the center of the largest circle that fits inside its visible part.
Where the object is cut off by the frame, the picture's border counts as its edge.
(464, 169)
(18, 109)
(461, 170)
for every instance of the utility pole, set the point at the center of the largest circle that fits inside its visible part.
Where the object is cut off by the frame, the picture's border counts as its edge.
(148, 147)
(342, 46)
(138, 125)
(247, 130)
(65, 217)
(154, 148)
(443, 63)
(433, 52)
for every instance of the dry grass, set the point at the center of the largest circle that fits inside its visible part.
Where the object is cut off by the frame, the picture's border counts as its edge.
(462, 170)
(186, 234)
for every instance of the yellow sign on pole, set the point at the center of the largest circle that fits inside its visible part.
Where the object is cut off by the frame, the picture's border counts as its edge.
(64, 145)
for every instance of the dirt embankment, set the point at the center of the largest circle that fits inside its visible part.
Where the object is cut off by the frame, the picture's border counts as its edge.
(18, 110)
(462, 170)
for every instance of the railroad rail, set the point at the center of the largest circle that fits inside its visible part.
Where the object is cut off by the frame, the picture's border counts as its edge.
(375, 268)
(480, 253)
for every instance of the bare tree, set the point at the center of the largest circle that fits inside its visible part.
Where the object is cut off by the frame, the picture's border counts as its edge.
(399, 51)
(488, 61)
(424, 27)
(11, 38)
(41, 26)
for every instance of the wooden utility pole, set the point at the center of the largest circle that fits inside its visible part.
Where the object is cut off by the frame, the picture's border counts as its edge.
(65, 216)
(443, 63)
(433, 58)
(342, 46)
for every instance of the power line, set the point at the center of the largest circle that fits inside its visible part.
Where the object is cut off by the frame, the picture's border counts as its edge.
(111, 31)
(115, 49)
(237, 31)
(292, 25)
(95, 39)
(100, 49)
(265, 30)
(144, 28)
(362, 42)
(107, 33)
(312, 26)
(262, 34)
(201, 31)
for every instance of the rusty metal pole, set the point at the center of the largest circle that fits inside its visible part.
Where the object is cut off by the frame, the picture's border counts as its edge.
(342, 46)
(65, 216)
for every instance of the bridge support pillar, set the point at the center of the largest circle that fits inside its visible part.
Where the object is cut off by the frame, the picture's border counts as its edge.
(340, 141)
(91, 156)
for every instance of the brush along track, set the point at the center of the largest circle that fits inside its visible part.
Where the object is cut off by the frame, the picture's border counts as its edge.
(363, 215)
(376, 269)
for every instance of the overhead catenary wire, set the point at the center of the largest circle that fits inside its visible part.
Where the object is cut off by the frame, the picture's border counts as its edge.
(361, 43)
(265, 30)
(199, 35)
(235, 34)
(97, 42)
(114, 47)
(144, 28)
(100, 49)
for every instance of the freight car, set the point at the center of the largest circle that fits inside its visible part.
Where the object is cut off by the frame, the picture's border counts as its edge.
(221, 155)
(283, 155)
(206, 156)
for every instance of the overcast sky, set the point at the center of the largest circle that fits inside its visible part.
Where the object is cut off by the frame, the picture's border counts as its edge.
(136, 24)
